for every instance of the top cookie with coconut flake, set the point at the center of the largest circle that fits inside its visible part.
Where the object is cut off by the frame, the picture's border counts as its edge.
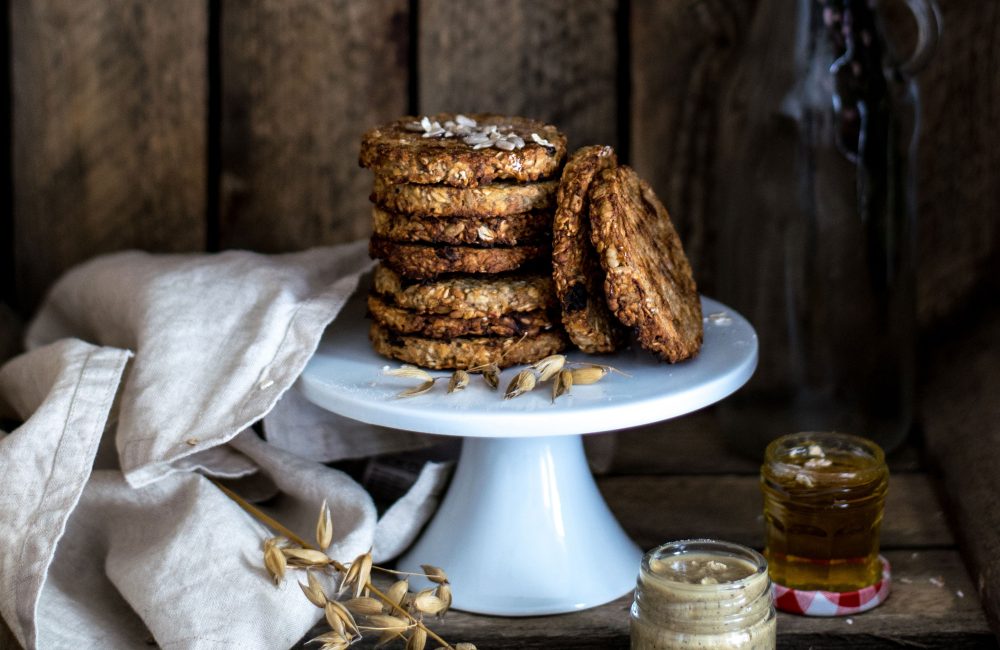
(463, 150)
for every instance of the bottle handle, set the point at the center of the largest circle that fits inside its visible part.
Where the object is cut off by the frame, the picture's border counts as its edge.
(928, 17)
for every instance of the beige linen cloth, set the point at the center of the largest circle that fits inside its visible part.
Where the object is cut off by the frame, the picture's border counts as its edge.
(142, 376)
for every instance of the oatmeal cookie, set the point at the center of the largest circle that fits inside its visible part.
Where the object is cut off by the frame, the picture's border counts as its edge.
(577, 275)
(465, 352)
(509, 230)
(466, 296)
(648, 284)
(435, 326)
(425, 261)
(482, 148)
(492, 200)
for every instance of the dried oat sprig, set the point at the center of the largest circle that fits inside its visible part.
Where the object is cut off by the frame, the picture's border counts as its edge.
(341, 620)
(562, 384)
(434, 574)
(364, 606)
(606, 368)
(407, 370)
(414, 372)
(314, 591)
(324, 527)
(523, 382)
(274, 560)
(549, 366)
(490, 373)
(417, 640)
(397, 592)
(279, 556)
(306, 557)
(331, 640)
(418, 574)
(588, 375)
(563, 373)
(459, 380)
(359, 574)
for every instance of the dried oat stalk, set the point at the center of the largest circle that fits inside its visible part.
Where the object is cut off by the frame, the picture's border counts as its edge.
(407, 370)
(459, 380)
(563, 374)
(491, 375)
(549, 366)
(589, 375)
(562, 383)
(395, 615)
(523, 382)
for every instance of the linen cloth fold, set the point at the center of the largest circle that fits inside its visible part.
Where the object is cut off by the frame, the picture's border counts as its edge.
(143, 376)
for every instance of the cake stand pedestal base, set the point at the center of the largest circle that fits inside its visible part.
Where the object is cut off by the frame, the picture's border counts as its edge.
(523, 530)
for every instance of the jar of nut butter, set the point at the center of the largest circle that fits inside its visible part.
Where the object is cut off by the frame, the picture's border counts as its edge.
(703, 593)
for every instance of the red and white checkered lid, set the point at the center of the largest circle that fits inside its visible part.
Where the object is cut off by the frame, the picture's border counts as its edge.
(833, 603)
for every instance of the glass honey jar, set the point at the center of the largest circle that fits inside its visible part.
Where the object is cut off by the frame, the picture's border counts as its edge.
(824, 495)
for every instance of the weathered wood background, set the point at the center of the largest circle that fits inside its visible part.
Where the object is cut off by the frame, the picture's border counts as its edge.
(187, 125)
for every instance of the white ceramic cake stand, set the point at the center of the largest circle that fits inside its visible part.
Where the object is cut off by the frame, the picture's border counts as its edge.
(523, 529)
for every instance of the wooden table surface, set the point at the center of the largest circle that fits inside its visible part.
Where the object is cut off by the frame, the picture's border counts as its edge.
(703, 490)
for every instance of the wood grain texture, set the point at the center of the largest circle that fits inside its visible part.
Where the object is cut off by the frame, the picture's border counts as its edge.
(962, 427)
(692, 444)
(109, 104)
(545, 60)
(959, 154)
(933, 603)
(917, 614)
(681, 60)
(654, 509)
(8, 290)
(301, 81)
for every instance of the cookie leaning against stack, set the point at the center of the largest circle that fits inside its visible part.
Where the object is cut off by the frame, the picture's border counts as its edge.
(462, 226)
(617, 261)
(648, 281)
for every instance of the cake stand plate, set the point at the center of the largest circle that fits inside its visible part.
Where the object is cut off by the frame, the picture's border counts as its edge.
(523, 529)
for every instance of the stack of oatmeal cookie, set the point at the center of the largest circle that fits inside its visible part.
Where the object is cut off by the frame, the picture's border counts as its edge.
(462, 226)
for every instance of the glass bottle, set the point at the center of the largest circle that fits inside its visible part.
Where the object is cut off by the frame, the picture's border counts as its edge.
(703, 593)
(816, 221)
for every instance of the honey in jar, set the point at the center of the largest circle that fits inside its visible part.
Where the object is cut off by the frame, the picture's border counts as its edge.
(823, 500)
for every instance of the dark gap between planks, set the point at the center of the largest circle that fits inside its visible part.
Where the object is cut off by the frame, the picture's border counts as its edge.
(7, 279)
(623, 45)
(213, 130)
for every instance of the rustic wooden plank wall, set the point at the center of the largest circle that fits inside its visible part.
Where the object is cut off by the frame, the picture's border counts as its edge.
(557, 61)
(959, 158)
(109, 131)
(301, 80)
(221, 123)
(681, 58)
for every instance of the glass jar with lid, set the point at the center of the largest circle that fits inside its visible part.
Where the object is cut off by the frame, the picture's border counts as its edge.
(824, 495)
(703, 593)
(816, 219)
